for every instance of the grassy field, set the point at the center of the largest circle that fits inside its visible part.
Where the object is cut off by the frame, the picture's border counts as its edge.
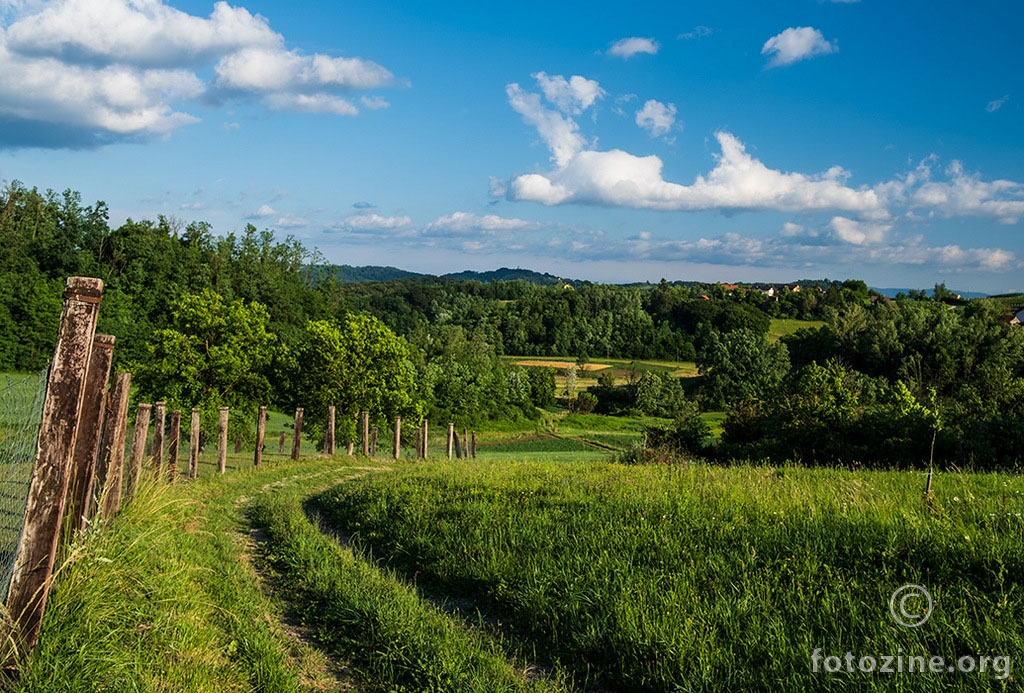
(781, 327)
(709, 579)
(368, 575)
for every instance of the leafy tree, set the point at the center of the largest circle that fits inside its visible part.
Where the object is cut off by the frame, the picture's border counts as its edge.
(356, 365)
(214, 355)
(739, 365)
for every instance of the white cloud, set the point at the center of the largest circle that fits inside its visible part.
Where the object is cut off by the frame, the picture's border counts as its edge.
(656, 118)
(858, 232)
(290, 222)
(628, 47)
(964, 194)
(262, 69)
(141, 33)
(572, 96)
(374, 222)
(698, 32)
(795, 44)
(559, 133)
(81, 73)
(374, 103)
(263, 212)
(466, 222)
(738, 182)
(996, 104)
(790, 229)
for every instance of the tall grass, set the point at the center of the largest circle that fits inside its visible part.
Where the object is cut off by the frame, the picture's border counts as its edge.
(162, 599)
(395, 638)
(709, 579)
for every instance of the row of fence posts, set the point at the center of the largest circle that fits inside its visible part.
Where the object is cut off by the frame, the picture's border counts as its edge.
(79, 472)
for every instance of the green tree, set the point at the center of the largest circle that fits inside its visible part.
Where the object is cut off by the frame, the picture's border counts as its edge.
(739, 365)
(356, 365)
(215, 354)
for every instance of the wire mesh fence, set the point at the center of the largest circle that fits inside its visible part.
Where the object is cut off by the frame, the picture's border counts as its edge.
(21, 410)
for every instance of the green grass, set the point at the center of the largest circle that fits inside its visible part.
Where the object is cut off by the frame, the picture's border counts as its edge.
(781, 327)
(707, 579)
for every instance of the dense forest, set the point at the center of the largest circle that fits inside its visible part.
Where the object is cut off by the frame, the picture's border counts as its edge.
(205, 320)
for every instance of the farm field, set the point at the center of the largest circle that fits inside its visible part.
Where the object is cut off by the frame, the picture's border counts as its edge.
(780, 327)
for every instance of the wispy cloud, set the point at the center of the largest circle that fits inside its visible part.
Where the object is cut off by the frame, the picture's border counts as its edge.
(698, 32)
(796, 44)
(996, 104)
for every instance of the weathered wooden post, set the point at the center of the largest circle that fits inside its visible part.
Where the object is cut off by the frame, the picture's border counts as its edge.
(261, 432)
(465, 443)
(106, 499)
(142, 414)
(329, 432)
(238, 443)
(398, 437)
(451, 439)
(366, 433)
(426, 433)
(37, 550)
(196, 429)
(458, 444)
(160, 413)
(472, 447)
(172, 446)
(222, 440)
(90, 426)
(297, 441)
(280, 443)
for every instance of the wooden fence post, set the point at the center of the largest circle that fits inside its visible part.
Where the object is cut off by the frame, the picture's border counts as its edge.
(238, 443)
(280, 443)
(110, 468)
(297, 441)
(426, 433)
(172, 446)
(160, 414)
(222, 440)
(261, 432)
(37, 550)
(458, 445)
(465, 443)
(398, 438)
(195, 431)
(329, 432)
(90, 426)
(451, 439)
(366, 433)
(142, 414)
(472, 446)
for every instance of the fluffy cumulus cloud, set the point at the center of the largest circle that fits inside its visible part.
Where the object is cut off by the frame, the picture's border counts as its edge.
(796, 44)
(571, 96)
(81, 73)
(656, 118)
(628, 47)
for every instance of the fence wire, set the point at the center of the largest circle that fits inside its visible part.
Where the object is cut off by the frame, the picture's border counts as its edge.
(21, 411)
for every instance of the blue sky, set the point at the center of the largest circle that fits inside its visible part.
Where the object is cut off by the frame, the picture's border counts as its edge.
(731, 141)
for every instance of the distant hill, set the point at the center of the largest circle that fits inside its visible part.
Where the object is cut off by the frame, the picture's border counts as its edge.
(347, 274)
(890, 292)
(506, 274)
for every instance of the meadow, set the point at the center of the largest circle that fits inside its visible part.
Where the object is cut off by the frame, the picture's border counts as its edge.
(703, 578)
